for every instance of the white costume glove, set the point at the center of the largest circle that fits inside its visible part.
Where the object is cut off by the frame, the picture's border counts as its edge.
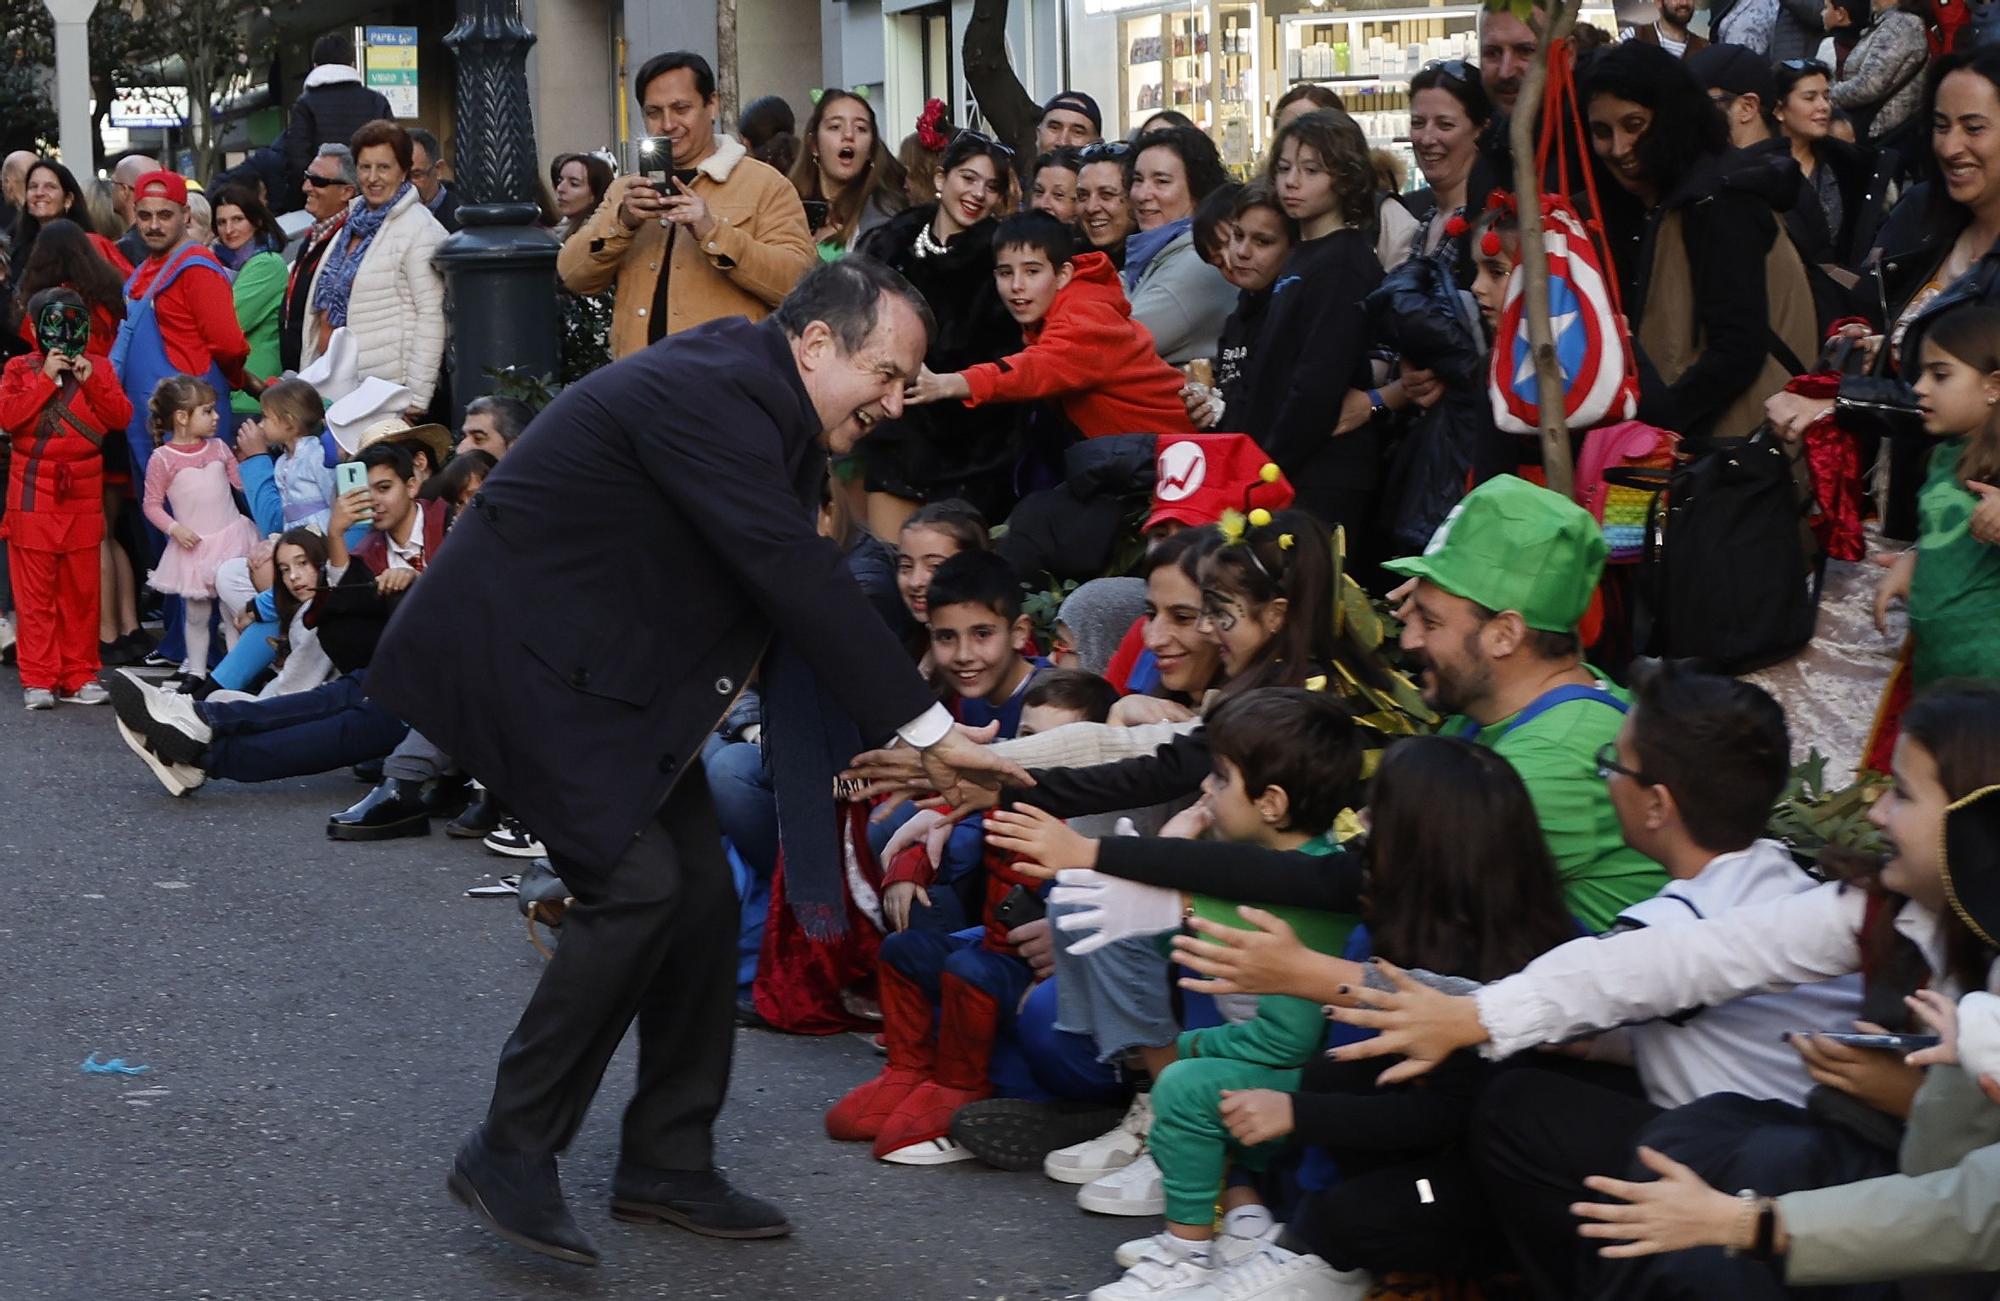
(1114, 908)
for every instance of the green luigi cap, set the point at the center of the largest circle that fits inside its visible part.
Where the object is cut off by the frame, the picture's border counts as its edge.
(1513, 546)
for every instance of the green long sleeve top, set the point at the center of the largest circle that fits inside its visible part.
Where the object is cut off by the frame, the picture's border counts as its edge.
(1286, 1031)
(259, 289)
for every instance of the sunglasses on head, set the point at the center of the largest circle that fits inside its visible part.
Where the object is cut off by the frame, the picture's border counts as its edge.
(1806, 65)
(1457, 69)
(984, 141)
(1103, 151)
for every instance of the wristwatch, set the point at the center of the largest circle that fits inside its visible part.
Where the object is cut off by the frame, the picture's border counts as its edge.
(1764, 1234)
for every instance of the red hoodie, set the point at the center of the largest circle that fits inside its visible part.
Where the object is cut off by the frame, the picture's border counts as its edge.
(1092, 357)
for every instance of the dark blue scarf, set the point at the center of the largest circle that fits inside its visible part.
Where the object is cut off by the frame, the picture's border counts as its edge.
(1142, 247)
(343, 260)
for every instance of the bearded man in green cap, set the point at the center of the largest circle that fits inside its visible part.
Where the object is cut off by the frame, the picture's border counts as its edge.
(1490, 614)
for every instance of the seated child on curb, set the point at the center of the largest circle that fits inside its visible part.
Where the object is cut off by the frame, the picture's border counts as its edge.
(294, 425)
(971, 981)
(1083, 350)
(979, 639)
(1286, 761)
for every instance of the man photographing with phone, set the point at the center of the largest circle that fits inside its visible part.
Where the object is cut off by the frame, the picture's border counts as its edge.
(706, 232)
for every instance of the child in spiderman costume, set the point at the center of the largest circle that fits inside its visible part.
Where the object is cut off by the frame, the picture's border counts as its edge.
(57, 405)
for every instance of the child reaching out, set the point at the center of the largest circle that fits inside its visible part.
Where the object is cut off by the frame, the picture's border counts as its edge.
(1285, 763)
(1083, 350)
(1950, 579)
(193, 473)
(57, 405)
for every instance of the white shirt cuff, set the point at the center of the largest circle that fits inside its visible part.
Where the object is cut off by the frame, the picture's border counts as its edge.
(927, 728)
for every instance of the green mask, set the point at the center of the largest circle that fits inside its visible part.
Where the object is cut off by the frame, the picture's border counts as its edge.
(63, 327)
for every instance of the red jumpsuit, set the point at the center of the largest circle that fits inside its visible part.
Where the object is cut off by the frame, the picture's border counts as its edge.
(55, 515)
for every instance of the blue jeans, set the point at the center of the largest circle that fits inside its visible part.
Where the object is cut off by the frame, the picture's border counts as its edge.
(315, 731)
(251, 655)
(739, 782)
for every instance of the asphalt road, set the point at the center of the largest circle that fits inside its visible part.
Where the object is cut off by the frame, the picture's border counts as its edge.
(320, 1021)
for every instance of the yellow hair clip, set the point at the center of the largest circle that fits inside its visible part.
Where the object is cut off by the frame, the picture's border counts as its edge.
(1269, 474)
(1285, 542)
(1260, 518)
(1231, 525)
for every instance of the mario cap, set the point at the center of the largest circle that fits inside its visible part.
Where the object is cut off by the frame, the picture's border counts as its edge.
(171, 186)
(1199, 476)
(1511, 545)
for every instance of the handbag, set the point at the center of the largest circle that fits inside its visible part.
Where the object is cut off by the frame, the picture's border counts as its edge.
(1624, 504)
(1726, 577)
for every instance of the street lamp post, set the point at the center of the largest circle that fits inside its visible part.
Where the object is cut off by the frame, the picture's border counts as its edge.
(500, 267)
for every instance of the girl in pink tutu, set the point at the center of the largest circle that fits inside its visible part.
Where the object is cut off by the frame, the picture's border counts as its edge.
(188, 482)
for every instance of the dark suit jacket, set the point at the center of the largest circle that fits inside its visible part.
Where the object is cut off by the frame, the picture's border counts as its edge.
(298, 296)
(617, 579)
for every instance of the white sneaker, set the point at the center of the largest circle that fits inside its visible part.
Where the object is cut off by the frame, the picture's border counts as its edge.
(178, 778)
(38, 698)
(90, 693)
(1230, 1247)
(1137, 1189)
(1164, 1270)
(1274, 1274)
(1082, 1163)
(932, 1151)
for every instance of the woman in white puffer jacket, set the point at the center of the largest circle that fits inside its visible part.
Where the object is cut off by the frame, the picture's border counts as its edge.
(378, 279)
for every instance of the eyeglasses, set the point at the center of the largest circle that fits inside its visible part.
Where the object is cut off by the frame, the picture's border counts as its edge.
(1104, 151)
(1457, 69)
(1607, 763)
(984, 141)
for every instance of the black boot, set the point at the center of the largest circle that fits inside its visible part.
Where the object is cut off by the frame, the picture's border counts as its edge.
(520, 1197)
(391, 810)
(700, 1201)
(446, 797)
(480, 818)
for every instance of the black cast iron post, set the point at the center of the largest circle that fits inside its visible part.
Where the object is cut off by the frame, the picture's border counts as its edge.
(500, 267)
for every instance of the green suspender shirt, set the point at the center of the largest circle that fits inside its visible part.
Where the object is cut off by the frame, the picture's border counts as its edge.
(1553, 745)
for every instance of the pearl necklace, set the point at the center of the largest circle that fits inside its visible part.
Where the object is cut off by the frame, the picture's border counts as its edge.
(929, 245)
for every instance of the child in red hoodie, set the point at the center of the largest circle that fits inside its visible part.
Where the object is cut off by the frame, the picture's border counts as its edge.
(1083, 348)
(57, 404)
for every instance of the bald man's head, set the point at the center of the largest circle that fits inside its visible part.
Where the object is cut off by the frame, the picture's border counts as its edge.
(124, 177)
(14, 174)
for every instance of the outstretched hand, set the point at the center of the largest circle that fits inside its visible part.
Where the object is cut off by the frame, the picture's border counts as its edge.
(1672, 1213)
(1416, 1023)
(967, 773)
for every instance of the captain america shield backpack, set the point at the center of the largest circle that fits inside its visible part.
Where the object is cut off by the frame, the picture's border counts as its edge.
(1593, 351)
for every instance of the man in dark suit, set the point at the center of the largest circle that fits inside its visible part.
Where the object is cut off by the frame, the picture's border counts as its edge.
(606, 596)
(330, 187)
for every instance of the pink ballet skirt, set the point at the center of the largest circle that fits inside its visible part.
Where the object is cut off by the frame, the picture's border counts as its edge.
(196, 486)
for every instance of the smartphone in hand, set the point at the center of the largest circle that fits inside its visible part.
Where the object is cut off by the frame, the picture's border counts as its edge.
(1888, 1043)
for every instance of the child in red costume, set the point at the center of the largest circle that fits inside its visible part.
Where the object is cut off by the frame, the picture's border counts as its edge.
(968, 983)
(1084, 350)
(57, 404)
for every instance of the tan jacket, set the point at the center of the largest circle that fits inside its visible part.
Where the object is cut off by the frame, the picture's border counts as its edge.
(759, 249)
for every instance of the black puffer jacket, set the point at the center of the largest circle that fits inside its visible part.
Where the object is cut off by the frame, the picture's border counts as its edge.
(948, 450)
(333, 108)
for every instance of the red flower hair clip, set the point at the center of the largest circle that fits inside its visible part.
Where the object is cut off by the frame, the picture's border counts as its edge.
(1489, 243)
(1502, 201)
(930, 126)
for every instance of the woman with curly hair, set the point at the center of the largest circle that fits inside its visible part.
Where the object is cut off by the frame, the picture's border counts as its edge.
(845, 174)
(1175, 294)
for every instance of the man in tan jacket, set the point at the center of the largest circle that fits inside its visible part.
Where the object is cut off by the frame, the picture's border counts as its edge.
(726, 235)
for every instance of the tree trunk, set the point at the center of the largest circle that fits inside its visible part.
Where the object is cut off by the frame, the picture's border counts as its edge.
(1010, 114)
(725, 63)
(1556, 464)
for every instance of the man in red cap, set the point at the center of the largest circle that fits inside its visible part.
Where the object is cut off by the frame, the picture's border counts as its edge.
(180, 314)
(180, 318)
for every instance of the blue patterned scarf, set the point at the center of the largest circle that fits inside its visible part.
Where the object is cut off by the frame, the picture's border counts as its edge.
(336, 274)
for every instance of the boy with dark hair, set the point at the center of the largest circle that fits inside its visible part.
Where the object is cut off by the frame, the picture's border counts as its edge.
(1059, 697)
(1287, 760)
(970, 982)
(1083, 350)
(978, 638)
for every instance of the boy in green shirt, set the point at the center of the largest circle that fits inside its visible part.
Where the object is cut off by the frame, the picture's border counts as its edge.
(1491, 612)
(1286, 762)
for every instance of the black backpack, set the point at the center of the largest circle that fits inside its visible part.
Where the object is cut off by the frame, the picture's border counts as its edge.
(1729, 577)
